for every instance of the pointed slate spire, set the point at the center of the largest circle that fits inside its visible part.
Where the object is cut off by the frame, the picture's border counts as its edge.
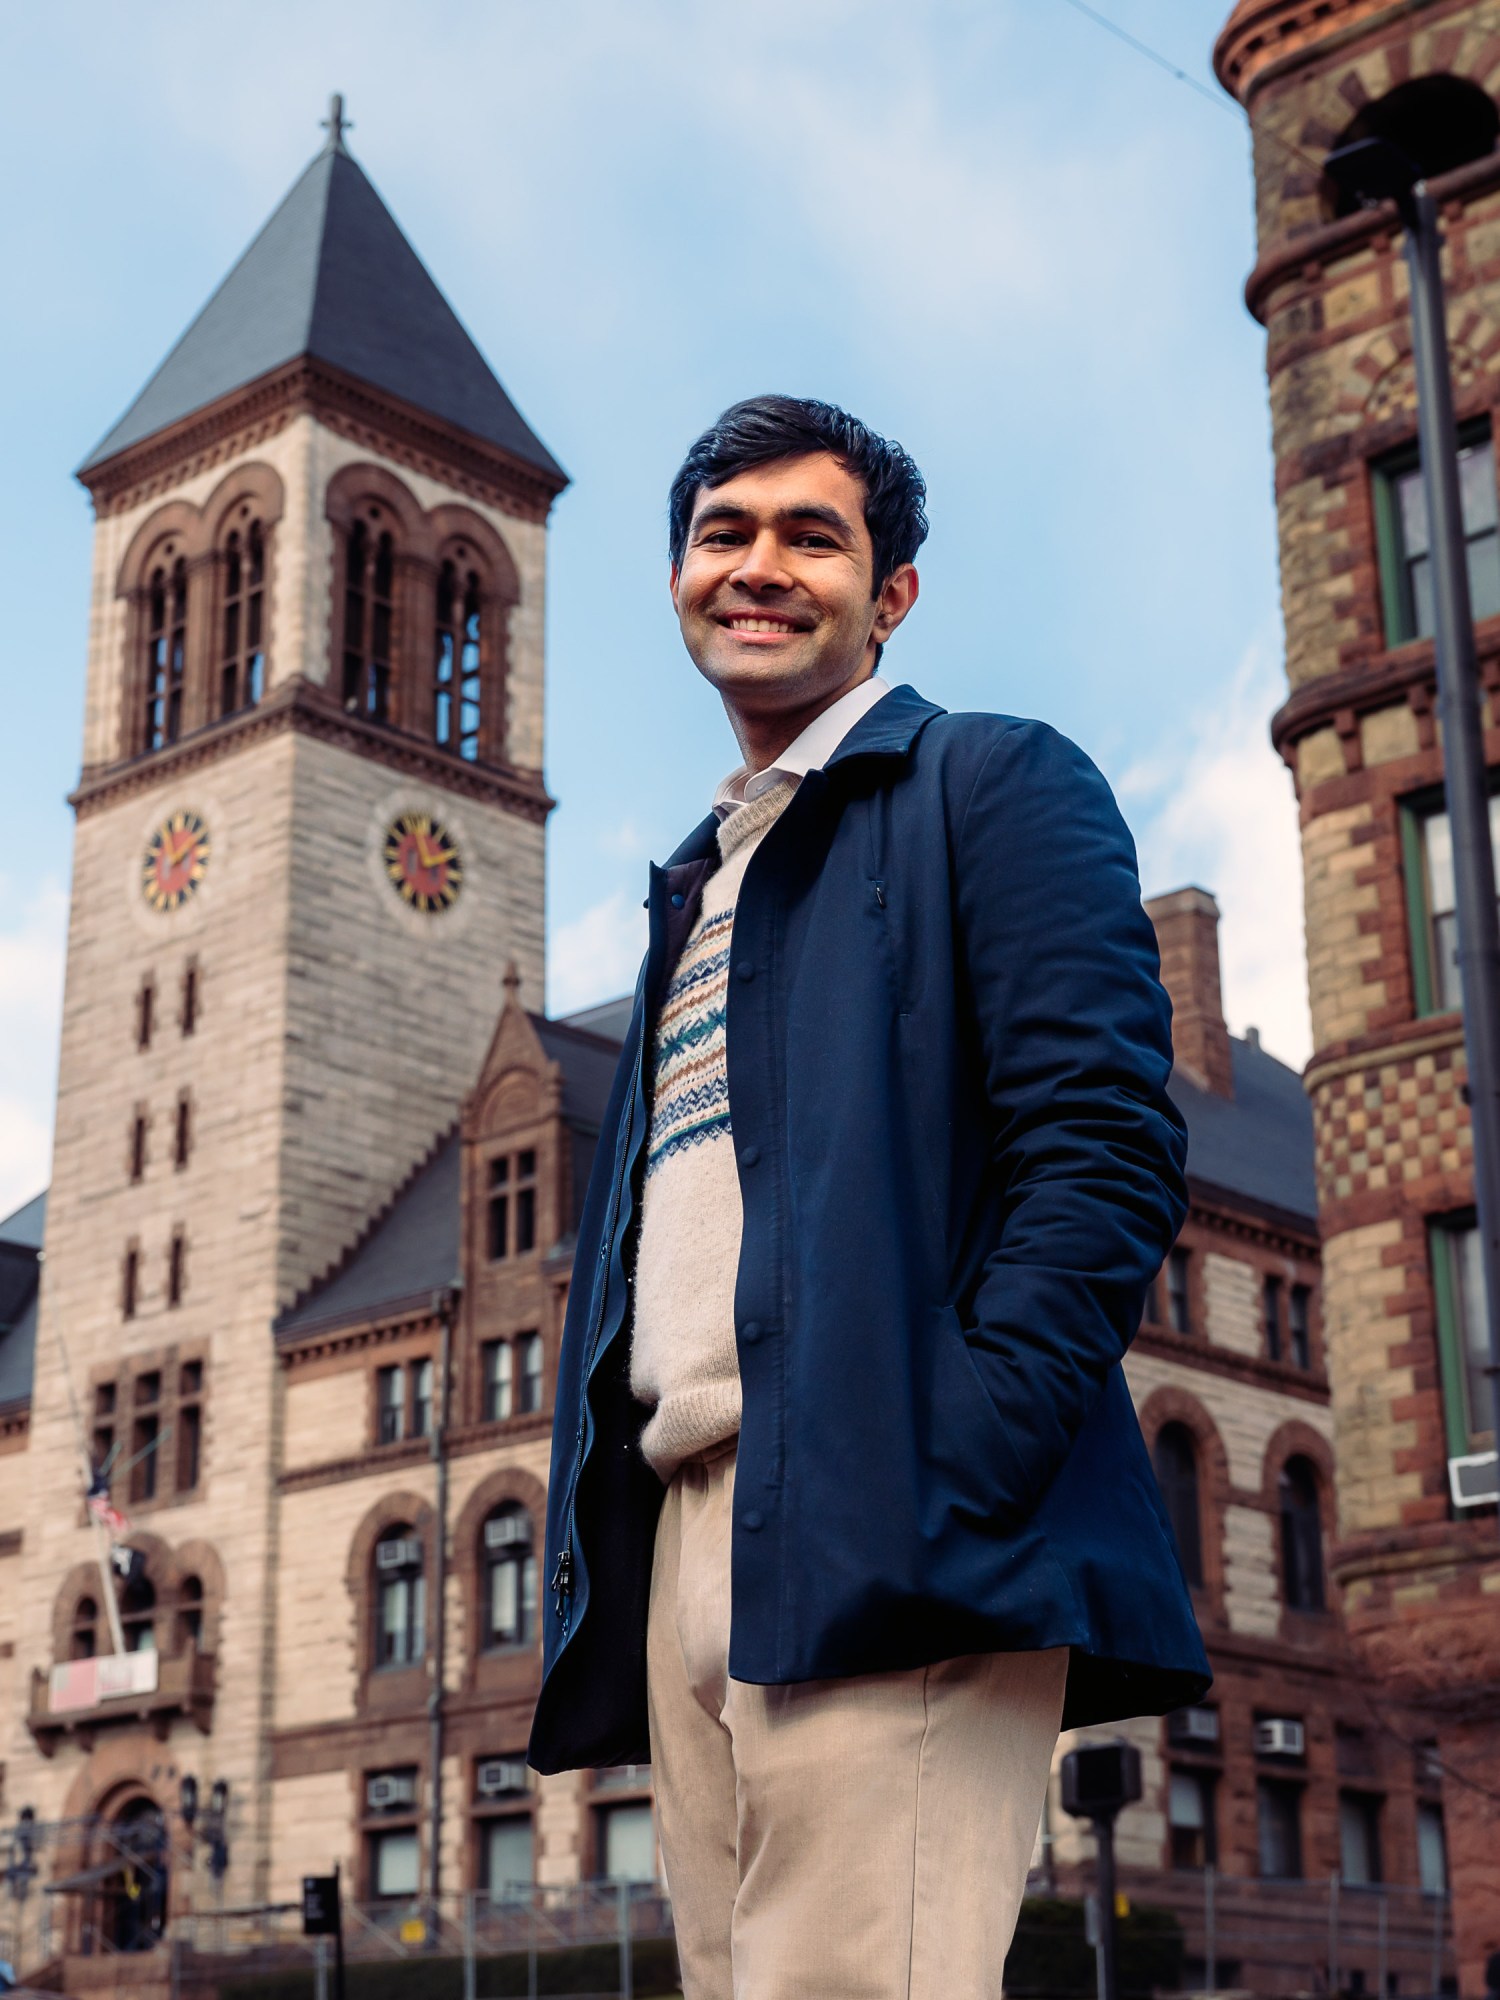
(331, 276)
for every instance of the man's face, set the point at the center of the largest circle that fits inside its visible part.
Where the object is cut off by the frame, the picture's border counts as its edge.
(775, 592)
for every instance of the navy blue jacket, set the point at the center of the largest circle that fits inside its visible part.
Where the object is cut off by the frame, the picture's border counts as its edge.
(948, 1052)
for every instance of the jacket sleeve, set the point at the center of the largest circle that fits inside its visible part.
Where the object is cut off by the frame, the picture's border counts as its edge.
(1074, 1038)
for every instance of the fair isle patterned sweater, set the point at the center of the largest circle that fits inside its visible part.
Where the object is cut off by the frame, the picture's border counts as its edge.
(683, 1357)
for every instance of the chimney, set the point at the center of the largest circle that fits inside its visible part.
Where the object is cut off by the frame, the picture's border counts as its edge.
(1187, 933)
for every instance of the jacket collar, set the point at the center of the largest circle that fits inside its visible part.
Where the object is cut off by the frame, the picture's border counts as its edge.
(888, 730)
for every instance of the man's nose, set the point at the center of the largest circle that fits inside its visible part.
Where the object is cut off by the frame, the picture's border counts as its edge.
(760, 566)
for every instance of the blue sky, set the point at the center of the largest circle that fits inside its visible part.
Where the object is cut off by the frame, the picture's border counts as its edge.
(984, 225)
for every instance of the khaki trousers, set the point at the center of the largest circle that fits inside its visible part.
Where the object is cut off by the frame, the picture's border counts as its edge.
(863, 1839)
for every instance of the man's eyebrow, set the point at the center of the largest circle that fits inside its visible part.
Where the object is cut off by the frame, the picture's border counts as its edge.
(808, 510)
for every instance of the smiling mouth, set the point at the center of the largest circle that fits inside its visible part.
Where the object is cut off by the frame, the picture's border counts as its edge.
(770, 625)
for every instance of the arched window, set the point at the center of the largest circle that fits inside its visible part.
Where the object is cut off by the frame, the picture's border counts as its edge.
(137, 1615)
(369, 591)
(1301, 1535)
(456, 702)
(242, 669)
(1175, 1457)
(400, 1599)
(190, 1610)
(508, 1609)
(1440, 122)
(83, 1641)
(166, 654)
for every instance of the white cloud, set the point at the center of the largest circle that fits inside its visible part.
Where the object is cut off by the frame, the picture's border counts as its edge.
(1215, 807)
(596, 957)
(32, 946)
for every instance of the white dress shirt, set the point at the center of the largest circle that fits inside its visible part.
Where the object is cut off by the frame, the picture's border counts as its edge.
(808, 752)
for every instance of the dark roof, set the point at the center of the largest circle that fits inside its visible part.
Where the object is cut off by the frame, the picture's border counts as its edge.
(20, 1271)
(409, 1249)
(588, 1065)
(26, 1223)
(331, 276)
(1257, 1145)
(610, 1019)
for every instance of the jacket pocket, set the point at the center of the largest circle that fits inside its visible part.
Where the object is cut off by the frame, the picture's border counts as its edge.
(977, 1439)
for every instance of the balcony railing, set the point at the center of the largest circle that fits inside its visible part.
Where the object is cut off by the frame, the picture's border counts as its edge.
(81, 1696)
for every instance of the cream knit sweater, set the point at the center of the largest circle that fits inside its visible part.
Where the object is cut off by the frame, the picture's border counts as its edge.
(683, 1357)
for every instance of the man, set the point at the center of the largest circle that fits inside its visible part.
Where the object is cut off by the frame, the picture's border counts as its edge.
(849, 1508)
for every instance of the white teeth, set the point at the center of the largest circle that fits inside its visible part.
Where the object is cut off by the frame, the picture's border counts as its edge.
(760, 625)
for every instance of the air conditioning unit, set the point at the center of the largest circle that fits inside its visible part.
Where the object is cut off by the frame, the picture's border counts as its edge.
(507, 1531)
(1280, 1737)
(1474, 1481)
(406, 1554)
(391, 1788)
(497, 1776)
(1193, 1725)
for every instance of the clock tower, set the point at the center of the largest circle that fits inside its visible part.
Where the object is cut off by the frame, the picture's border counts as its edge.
(310, 837)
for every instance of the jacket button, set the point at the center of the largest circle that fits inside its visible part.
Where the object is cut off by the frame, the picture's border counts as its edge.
(754, 1520)
(744, 970)
(677, 899)
(749, 1155)
(751, 1331)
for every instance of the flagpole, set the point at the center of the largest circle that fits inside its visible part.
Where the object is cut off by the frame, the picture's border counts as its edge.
(101, 1533)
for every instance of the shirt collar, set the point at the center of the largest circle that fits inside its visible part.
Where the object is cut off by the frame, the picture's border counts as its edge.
(808, 752)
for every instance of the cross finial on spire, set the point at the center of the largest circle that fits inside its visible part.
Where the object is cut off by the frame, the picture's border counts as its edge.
(335, 124)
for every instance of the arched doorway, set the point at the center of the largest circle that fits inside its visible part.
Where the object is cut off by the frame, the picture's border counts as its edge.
(133, 1860)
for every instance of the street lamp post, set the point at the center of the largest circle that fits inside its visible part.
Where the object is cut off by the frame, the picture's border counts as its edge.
(1374, 171)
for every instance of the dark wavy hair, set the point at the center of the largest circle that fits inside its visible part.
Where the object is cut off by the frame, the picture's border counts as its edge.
(765, 428)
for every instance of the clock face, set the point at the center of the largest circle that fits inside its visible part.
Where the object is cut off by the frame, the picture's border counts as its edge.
(175, 862)
(421, 859)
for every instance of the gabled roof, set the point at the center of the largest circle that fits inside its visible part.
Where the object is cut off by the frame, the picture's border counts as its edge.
(1256, 1146)
(331, 276)
(26, 1223)
(20, 1272)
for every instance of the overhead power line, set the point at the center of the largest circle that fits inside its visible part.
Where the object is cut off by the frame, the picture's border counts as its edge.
(1214, 97)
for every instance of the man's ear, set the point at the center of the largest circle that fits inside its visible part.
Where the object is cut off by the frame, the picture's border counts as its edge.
(674, 571)
(897, 596)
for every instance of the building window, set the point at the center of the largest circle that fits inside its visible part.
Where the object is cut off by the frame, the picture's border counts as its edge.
(506, 1860)
(190, 1610)
(456, 671)
(1406, 547)
(1431, 899)
(1432, 1849)
(529, 1372)
(1179, 1310)
(499, 1373)
(1175, 1457)
(393, 1862)
(189, 1425)
(138, 1615)
(105, 1395)
(182, 1132)
(145, 1437)
(512, 1205)
(1190, 1819)
(369, 623)
(1301, 1535)
(1299, 1324)
(242, 673)
(166, 654)
(83, 1640)
(626, 1842)
(510, 1579)
(176, 1267)
(145, 1009)
(421, 1399)
(390, 1405)
(1359, 1840)
(1463, 1335)
(189, 1014)
(131, 1283)
(138, 1146)
(1271, 1314)
(400, 1600)
(1279, 1827)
